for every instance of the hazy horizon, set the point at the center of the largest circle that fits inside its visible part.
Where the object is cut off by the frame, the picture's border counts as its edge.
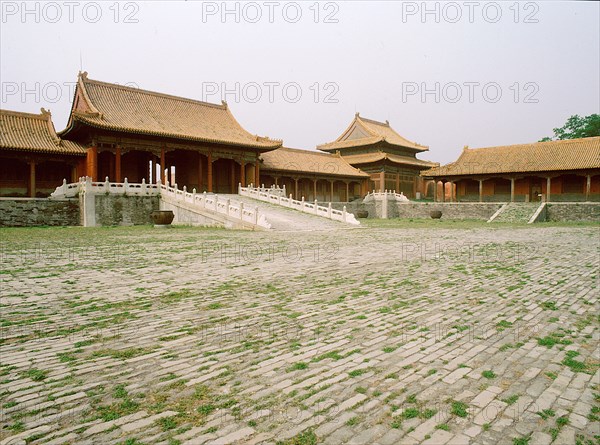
(290, 71)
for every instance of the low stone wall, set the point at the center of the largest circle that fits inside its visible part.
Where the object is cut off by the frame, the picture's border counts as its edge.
(578, 211)
(123, 210)
(450, 210)
(419, 210)
(30, 212)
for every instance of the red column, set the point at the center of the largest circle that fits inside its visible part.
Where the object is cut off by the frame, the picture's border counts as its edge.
(199, 172)
(209, 175)
(163, 179)
(92, 163)
(118, 165)
(257, 174)
(243, 173)
(233, 187)
(32, 179)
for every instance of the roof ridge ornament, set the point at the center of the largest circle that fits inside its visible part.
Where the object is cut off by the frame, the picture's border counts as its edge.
(83, 75)
(45, 112)
(224, 103)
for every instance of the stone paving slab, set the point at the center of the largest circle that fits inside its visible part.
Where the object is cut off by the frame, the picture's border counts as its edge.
(386, 335)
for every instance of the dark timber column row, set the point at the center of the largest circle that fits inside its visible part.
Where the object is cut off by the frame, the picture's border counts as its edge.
(232, 180)
(32, 179)
(200, 172)
(118, 165)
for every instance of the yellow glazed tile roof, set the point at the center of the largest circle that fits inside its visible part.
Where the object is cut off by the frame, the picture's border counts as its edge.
(365, 158)
(127, 109)
(569, 154)
(34, 133)
(372, 132)
(306, 161)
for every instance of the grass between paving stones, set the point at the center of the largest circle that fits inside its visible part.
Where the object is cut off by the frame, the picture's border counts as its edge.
(305, 438)
(521, 440)
(560, 423)
(459, 408)
(122, 354)
(511, 399)
(297, 366)
(192, 405)
(554, 338)
(37, 375)
(116, 400)
(588, 367)
(488, 374)
(412, 409)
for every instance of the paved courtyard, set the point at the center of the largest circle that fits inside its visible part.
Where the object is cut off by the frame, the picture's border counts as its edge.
(399, 333)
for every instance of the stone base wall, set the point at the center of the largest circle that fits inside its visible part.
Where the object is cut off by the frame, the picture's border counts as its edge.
(112, 210)
(419, 210)
(122, 210)
(30, 212)
(354, 206)
(450, 210)
(185, 215)
(573, 212)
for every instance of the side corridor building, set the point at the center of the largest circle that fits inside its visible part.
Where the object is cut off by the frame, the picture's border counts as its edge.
(567, 170)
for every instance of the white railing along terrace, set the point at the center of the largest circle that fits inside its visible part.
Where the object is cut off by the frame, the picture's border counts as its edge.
(201, 201)
(216, 204)
(86, 185)
(386, 193)
(266, 195)
(274, 189)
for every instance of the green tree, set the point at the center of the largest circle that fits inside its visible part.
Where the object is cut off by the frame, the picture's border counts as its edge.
(577, 127)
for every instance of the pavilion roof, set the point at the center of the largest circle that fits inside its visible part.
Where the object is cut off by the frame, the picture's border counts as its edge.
(306, 161)
(33, 133)
(569, 154)
(363, 132)
(127, 109)
(367, 158)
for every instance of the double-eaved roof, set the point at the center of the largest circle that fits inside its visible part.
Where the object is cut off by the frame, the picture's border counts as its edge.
(366, 132)
(127, 109)
(33, 133)
(371, 157)
(292, 160)
(569, 154)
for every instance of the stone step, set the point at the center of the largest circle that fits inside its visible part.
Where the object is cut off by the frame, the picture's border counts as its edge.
(517, 212)
(284, 219)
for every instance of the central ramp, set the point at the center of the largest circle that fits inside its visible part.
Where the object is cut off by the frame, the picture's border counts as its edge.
(516, 212)
(284, 219)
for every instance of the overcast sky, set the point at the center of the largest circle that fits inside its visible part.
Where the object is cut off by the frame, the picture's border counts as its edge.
(492, 73)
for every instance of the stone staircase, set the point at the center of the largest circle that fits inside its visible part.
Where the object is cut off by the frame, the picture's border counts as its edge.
(516, 212)
(207, 209)
(284, 219)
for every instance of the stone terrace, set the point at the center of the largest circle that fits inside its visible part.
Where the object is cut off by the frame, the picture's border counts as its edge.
(426, 333)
